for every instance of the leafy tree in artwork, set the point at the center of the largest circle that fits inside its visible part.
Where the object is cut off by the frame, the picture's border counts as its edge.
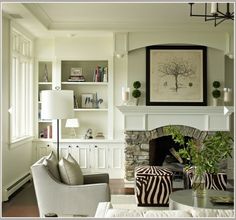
(177, 68)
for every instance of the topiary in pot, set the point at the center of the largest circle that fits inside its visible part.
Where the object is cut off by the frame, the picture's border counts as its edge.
(136, 93)
(216, 84)
(136, 84)
(216, 93)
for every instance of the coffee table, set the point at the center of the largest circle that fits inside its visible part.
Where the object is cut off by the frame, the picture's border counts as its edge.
(184, 200)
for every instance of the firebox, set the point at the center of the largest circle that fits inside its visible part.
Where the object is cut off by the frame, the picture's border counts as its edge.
(163, 151)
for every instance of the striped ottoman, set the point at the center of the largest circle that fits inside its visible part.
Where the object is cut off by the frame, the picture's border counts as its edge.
(216, 181)
(153, 185)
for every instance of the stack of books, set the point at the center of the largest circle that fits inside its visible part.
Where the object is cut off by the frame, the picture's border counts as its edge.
(76, 75)
(100, 74)
(76, 78)
(99, 135)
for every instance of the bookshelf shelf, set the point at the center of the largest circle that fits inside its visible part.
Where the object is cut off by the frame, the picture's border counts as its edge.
(90, 109)
(44, 121)
(86, 83)
(45, 83)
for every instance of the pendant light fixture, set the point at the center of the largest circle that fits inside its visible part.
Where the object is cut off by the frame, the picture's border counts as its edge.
(215, 14)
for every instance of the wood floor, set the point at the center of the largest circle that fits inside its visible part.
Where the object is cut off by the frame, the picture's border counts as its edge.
(23, 203)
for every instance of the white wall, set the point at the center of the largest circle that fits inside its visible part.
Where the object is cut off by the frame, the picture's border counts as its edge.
(84, 48)
(16, 161)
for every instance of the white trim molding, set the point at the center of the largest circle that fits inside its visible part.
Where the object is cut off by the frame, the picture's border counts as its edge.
(205, 118)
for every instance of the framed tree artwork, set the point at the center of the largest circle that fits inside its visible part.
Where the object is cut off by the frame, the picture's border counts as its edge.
(176, 75)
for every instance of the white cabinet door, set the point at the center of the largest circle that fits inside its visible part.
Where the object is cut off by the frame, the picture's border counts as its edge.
(43, 149)
(107, 157)
(83, 156)
(100, 154)
(115, 156)
(116, 160)
(80, 152)
(97, 157)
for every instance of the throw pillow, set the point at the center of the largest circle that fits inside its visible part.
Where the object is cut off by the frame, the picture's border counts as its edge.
(70, 171)
(51, 163)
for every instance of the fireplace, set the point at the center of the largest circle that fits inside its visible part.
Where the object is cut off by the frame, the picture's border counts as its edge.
(145, 123)
(163, 152)
(161, 148)
(152, 148)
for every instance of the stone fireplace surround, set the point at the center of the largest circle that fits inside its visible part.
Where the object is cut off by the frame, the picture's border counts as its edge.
(144, 123)
(137, 145)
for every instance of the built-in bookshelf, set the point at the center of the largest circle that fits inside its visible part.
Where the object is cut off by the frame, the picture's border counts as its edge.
(90, 82)
(44, 130)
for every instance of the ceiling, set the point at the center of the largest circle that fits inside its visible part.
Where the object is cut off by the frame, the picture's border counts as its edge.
(73, 19)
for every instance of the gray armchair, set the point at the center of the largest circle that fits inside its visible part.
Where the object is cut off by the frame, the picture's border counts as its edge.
(68, 200)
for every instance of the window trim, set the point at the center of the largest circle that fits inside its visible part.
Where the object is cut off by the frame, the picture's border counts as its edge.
(21, 57)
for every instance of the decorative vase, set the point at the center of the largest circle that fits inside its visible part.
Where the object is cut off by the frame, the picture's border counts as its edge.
(198, 183)
(125, 95)
(45, 73)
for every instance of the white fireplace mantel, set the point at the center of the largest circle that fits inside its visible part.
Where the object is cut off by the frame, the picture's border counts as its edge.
(205, 118)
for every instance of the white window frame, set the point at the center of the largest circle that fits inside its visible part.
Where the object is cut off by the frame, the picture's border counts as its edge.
(21, 86)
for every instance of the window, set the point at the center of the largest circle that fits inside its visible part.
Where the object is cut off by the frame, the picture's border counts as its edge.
(21, 86)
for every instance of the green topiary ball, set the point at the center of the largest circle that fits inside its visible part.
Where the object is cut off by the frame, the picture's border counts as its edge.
(136, 84)
(136, 93)
(216, 93)
(216, 84)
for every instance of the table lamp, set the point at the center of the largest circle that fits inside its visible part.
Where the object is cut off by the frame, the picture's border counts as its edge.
(72, 123)
(57, 104)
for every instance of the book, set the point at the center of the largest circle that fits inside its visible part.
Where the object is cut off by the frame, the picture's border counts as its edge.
(100, 74)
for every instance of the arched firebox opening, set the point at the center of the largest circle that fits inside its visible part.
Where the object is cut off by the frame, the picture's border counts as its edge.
(154, 148)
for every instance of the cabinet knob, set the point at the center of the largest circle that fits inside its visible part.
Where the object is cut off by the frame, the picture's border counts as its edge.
(95, 146)
(48, 145)
(77, 146)
(69, 146)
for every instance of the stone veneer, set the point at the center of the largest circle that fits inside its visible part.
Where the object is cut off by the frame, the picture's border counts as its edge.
(137, 145)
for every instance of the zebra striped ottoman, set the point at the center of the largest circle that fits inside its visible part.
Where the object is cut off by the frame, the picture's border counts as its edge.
(153, 185)
(216, 181)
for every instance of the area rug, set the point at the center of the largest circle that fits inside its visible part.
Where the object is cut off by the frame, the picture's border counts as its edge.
(129, 202)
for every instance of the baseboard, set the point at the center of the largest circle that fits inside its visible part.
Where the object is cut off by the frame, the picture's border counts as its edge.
(11, 188)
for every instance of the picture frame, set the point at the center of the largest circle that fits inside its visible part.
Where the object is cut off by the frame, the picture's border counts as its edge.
(86, 100)
(76, 71)
(176, 75)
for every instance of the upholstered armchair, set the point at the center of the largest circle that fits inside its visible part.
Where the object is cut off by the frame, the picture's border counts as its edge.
(65, 200)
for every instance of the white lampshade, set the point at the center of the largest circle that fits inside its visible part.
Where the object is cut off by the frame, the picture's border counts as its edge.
(57, 104)
(72, 123)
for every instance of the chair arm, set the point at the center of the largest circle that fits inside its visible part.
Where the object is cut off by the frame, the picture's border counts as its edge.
(96, 178)
(69, 200)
